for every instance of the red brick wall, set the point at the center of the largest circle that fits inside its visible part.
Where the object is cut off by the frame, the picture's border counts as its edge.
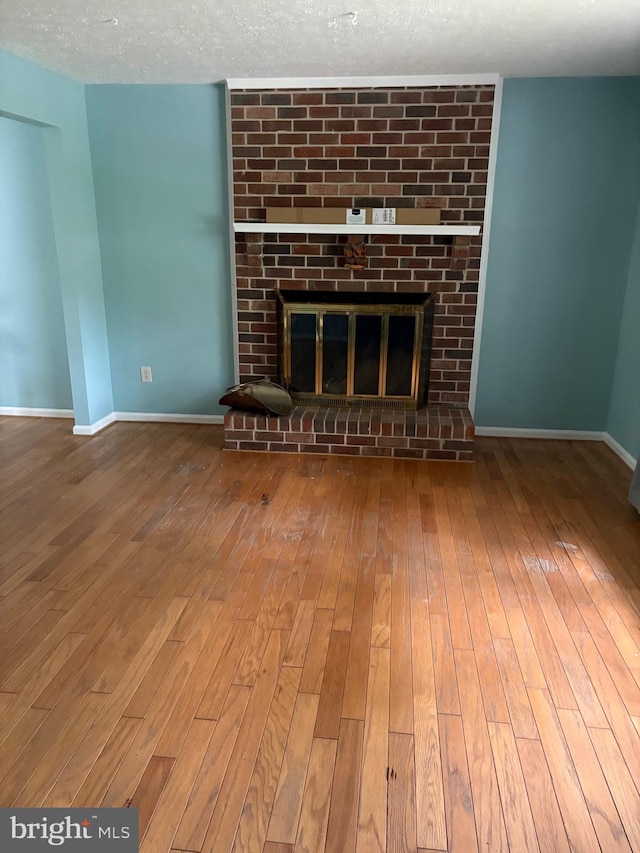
(362, 148)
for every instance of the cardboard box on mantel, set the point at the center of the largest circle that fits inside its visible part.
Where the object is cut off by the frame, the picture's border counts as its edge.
(338, 215)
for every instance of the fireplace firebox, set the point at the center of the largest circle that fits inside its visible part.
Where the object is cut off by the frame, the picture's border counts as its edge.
(355, 348)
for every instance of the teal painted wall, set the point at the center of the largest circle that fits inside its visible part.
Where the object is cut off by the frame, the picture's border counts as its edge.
(566, 197)
(33, 94)
(624, 409)
(34, 365)
(161, 192)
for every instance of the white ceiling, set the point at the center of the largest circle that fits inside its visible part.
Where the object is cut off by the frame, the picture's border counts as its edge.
(189, 41)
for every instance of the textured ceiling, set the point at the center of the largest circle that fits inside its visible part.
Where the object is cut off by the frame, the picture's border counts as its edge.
(184, 41)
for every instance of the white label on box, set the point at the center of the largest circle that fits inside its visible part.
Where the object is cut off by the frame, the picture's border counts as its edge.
(384, 216)
(357, 216)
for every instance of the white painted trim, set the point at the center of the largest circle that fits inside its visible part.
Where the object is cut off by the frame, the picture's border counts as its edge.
(92, 429)
(484, 253)
(562, 434)
(235, 333)
(361, 82)
(619, 450)
(155, 417)
(25, 412)
(146, 417)
(337, 228)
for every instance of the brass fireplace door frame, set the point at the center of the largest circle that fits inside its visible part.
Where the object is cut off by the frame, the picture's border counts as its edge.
(351, 310)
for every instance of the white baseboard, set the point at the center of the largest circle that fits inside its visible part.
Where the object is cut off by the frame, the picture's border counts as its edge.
(22, 412)
(92, 429)
(619, 450)
(559, 434)
(154, 417)
(146, 417)
(562, 434)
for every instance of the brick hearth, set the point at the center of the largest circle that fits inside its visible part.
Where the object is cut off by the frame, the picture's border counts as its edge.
(434, 433)
(383, 147)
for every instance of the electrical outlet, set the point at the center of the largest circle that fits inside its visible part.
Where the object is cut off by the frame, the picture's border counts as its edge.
(145, 374)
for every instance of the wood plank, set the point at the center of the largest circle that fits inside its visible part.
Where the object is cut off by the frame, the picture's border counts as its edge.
(328, 593)
(254, 820)
(22, 673)
(149, 790)
(575, 813)
(384, 541)
(228, 808)
(581, 686)
(461, 829)
(444, 666)
(214, 696)
(474, 558)
(6, 699)
(355, 692)
(249, 666)
(31, 776)
(490, 826)
(456, 605)
(96, 782)
(345, 597)
(614, 708)
(151, 730)
(544, 804)
(20, 737)
(173, 799)
(193, 608)
(623, 787)
(155, 675)
(87, 748)
(381, 620)
(401, 688)
(554, 672)
(185, 710)
(520, 712)
(332, 690)
(316, 799)
(401, 796)
(372, 812)
(192, 828)
(300, 633)
(98, 652)
(287, 802)
(601, 807)
(314, 662)
(431, 828)
(517, 815)
(329, 493)
(343, 813)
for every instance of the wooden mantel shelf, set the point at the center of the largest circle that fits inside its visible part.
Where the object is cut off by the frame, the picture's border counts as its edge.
(317, 228)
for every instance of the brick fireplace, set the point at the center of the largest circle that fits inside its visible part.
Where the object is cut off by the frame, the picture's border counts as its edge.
(397, 147)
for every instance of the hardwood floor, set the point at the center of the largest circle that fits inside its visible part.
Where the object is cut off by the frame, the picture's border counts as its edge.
(275, 653)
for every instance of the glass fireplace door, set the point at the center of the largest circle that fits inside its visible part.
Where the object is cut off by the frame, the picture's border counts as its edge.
(338, 353)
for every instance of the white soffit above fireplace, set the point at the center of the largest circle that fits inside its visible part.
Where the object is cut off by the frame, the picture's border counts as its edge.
(199, 41)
